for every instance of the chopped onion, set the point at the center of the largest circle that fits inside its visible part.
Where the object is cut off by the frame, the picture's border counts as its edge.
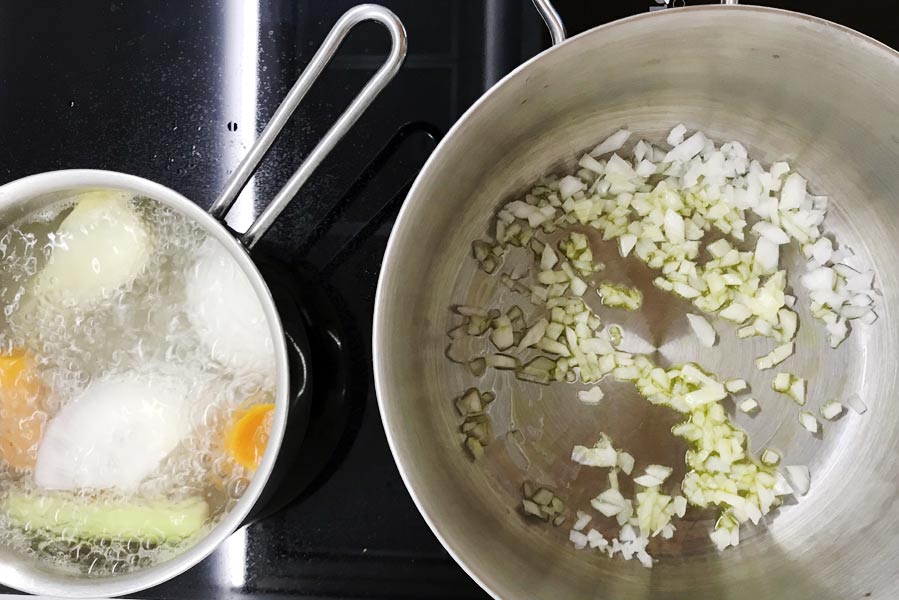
(703, 330)
(659, 471)
(591, 396)
(612, 143)
(501, 361)
(748, 406)
(578, 539)
(771, 232)
(619, 296)
(770, 457)
(856, 403)
(583, 519)
(676, 136)
(534, 334)
(799, 478)
(569, 185)
(781, 382)
(610, 503)
(602, 454)
(793, 192)
(655, 475)
(502, 335)
(808, 421)
(687, 149)
(831, 410)
(822, 251)
(662, 207)
(596, 539)
(626, 243)
(548, 258)
(590, 163)
(626, 462)
(775, 357)
(797, 390)
(735, 386)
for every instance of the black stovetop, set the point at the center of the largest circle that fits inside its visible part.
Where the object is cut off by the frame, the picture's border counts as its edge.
(174, 91)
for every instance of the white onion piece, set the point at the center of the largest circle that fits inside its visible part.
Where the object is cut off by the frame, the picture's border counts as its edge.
(856, 403)
(770, 457)
(660, 472)
(591, 164)
(822, 250)
(103, 245)
(591, 396)
(736, 312)
(687, 149)
(735, 386)
(619, 166)
(596, 539)
(578, 539)
(703, 330)
(831, 410)
(775, 357)
(676, 135)
(602, 454)
(626, 243)
(722, 538)
(612, 143)
(674, 227)
(822, 278)
(767, 254)
(793, 192)
(781, 486)
(781, 382)
(800, 479)
(534, 334)
(548, 258)
(808, 421)
(609, 503)
(771, 232)
(797, 390)
(626, 462)
(645, 168)
(568, 186)
(748, 406)
(838, 331)
(583, 519)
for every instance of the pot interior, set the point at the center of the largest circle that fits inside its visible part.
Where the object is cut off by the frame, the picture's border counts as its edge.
(789, 87)
(169, 333)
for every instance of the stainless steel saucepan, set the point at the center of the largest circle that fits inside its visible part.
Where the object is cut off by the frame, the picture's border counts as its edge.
(788, 86)
(30, 193)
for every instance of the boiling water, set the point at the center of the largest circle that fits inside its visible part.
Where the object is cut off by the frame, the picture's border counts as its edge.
(142, 328)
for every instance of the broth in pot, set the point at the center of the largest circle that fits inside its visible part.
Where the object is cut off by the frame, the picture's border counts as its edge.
(137, 383)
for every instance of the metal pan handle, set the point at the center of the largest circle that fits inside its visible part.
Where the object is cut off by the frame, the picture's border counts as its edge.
(552, 19)
(248, 166)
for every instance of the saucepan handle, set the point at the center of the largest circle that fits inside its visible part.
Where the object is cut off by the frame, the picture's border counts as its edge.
(552, 19)
(246, 168)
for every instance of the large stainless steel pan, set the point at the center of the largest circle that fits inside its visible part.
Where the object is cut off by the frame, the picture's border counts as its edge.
(788, 86)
